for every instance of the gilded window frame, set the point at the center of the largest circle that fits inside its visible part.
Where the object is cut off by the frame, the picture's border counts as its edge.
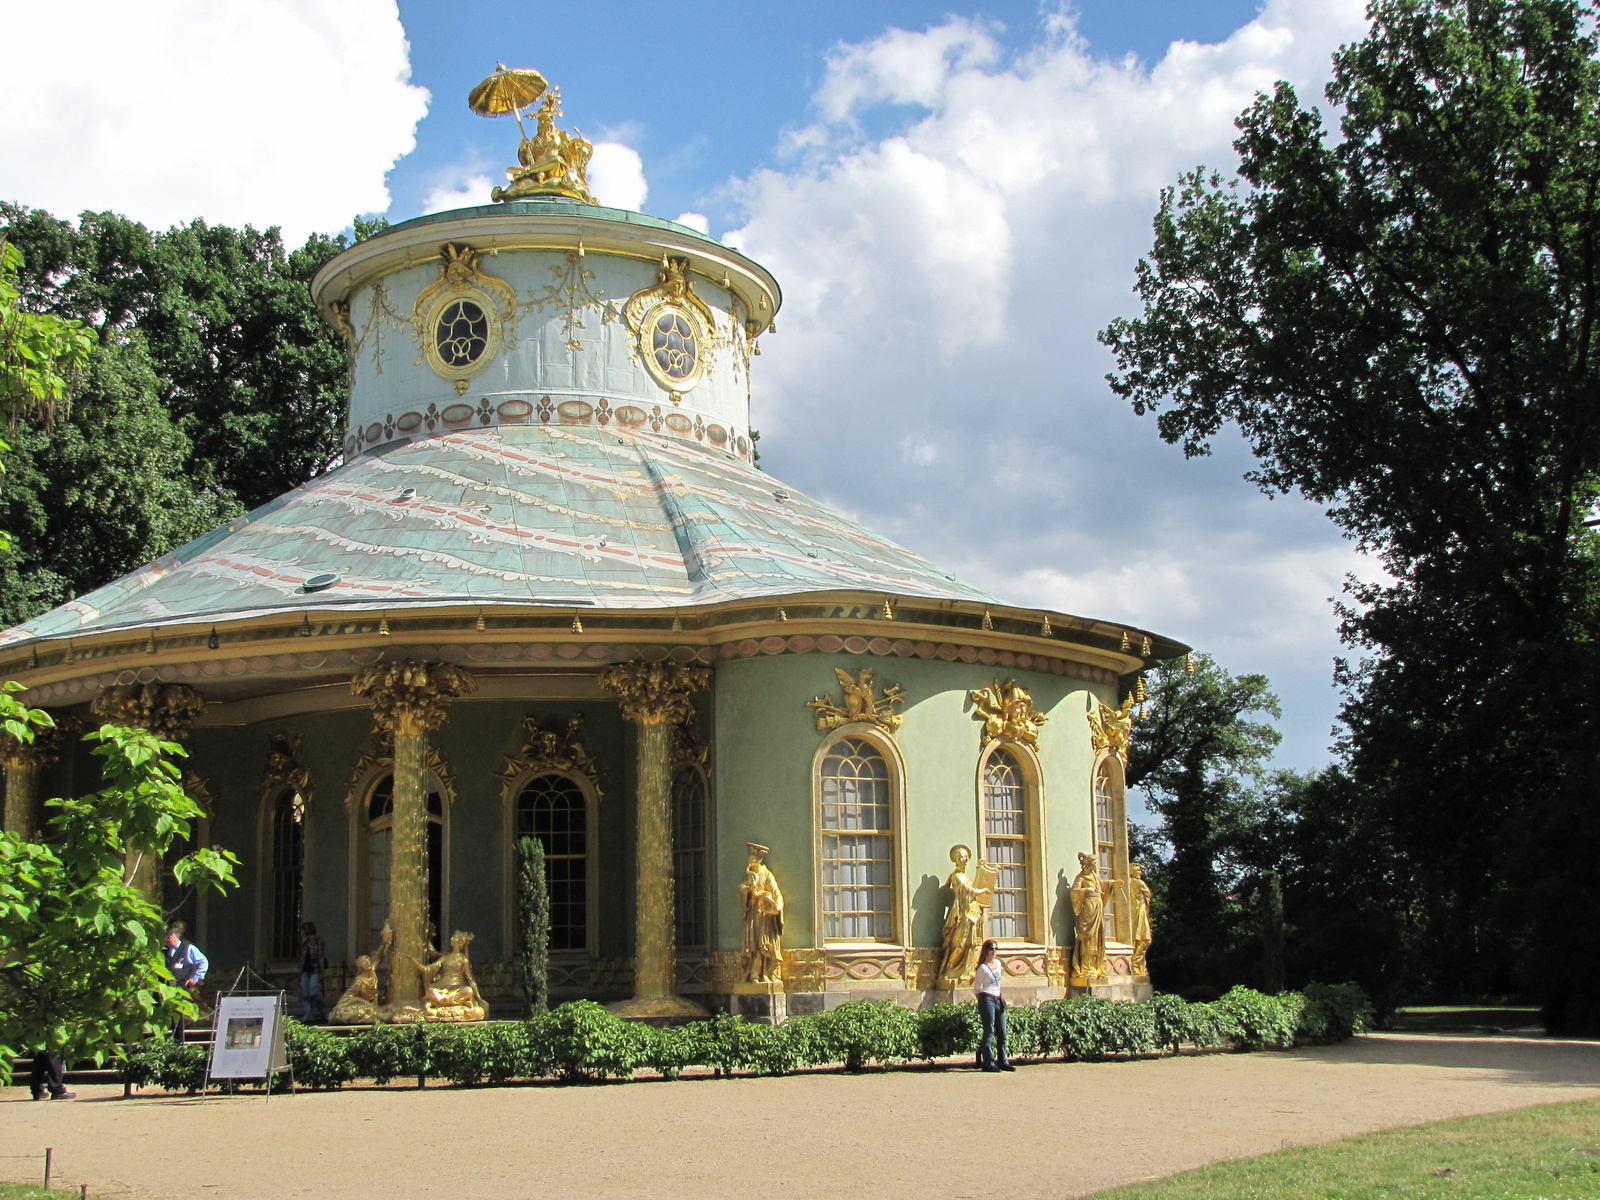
(1122, 917)
(509, 795)
(900, 863)
(1032, 769)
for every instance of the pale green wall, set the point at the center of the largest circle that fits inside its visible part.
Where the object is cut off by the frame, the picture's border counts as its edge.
(766, 740)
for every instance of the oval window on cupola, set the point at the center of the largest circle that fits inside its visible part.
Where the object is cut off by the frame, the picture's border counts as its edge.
(461, 335)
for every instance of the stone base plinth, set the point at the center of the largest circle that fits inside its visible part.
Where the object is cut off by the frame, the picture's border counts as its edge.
(763, 1002)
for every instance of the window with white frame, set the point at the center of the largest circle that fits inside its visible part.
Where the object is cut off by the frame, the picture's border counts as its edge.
(1005, 843)
(555, 810)
(857, 842)
(1105, 836)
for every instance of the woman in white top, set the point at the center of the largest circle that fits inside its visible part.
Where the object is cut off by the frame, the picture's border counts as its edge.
(991, 1009)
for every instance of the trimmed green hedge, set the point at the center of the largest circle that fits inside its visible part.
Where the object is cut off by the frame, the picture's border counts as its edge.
(583, 1042)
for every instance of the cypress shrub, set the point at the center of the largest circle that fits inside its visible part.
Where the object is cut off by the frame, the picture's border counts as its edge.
(533, 924)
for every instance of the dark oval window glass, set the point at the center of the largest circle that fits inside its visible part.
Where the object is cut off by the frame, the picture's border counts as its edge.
(672, 344)
(462, 334)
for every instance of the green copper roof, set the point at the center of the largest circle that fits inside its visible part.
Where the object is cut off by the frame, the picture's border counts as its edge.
(515, 515)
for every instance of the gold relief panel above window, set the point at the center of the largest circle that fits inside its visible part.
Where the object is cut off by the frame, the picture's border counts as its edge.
(672, 328)
(462, 319)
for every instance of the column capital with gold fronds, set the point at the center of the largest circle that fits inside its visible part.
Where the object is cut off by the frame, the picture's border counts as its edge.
(411, 697)
(45, 747)
(655, 693)
(165, 709)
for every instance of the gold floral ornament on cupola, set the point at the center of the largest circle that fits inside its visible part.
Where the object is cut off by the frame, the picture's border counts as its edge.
(552, 162)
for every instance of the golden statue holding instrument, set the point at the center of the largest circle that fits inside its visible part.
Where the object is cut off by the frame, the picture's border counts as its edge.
(1089, 895)
(970, 898)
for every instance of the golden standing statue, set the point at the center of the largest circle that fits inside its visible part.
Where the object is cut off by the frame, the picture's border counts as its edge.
(963, 923)
(1141, 919)
(359, 1004)
(1089, 896)
(449, 992)
(760, 940)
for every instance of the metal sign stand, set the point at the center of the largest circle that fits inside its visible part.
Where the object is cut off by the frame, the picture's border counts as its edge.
(277, 1054)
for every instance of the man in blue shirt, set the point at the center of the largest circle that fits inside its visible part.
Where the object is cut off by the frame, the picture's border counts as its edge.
(187, 964)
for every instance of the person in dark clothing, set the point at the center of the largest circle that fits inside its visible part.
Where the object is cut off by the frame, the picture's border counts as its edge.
(313, 965)
(49, 1073)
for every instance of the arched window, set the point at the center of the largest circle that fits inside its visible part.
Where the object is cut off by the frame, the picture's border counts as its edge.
(554, 809)
(288, 872)
(689, 855)
(1111, 840)
(1005, 844)
(857, 852)
(380, 854)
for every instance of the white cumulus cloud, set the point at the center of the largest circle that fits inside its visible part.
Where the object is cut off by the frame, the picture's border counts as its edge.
(471, 191)
(616, 176)
(271, 112)
(935, 369)
(695, 220)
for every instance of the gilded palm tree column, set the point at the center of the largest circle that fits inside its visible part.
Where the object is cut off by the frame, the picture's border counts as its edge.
(409, 700)
(23, 761)
(655, 697)
(167, 710)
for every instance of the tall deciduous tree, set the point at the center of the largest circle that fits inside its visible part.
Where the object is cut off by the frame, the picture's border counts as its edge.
(1197, 756)
(81, 962)
(1402, 321)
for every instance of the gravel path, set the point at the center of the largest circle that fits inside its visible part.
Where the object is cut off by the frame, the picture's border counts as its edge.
(1051, 1130)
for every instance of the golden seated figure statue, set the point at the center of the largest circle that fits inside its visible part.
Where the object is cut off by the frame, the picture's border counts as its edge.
(359, 1004)
(449, 992)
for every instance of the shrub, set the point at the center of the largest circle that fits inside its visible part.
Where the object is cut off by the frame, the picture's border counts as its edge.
(670, 1050)
(320, 1059)
(945, 1029)
(1173, 1023)
(1024, 1031)
(460, 1053)
(169, 1065)
(859, 1032)
(533, 924)
(587, 1042)
(1256, 1021)
(1334, 1012)
(387, 1052)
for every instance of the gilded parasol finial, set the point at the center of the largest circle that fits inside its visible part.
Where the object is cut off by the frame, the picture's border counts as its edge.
(552, 162)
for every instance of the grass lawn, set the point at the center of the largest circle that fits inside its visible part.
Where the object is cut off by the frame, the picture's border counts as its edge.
(1548, 1152)
(1455, 1018)
(29, 1191)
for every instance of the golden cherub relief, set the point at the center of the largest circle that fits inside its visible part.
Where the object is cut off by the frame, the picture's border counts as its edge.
(1007, 711)
(861, 702)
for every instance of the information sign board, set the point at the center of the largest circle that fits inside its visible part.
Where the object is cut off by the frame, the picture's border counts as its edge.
(249, 1041)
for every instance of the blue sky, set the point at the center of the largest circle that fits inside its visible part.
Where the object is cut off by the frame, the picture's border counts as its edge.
(702, 90)
(952, 196)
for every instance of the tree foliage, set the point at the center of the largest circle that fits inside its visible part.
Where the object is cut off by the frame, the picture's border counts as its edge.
(81, 962)
(533, 924)
(1402, 321)
(213, 387)
(1198, 756)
